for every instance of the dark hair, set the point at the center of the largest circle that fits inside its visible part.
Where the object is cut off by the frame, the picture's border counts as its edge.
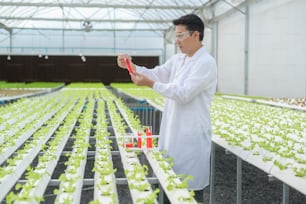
(192, 23)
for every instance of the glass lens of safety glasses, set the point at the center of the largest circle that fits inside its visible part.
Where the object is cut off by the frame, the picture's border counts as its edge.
(182, 36)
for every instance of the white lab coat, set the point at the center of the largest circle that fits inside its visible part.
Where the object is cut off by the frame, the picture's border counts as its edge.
(188, 85)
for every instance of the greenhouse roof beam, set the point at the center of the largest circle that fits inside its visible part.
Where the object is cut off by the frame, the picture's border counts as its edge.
(5, 27)
(240, 6)
(81, 29)
(234, 7)
(98, 5)
(92, 20)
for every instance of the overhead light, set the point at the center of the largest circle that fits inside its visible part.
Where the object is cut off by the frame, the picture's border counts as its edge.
(87, 26)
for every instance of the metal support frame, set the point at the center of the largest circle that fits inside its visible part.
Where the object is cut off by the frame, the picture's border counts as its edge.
(161, 61)
(216, 19)
(10, 31)
(239, 180)
(286, 188)
(246, 50)
(216, 42)
(214, 38)
(212, 174)
(11, 40)
(161, 194)
(285, 193)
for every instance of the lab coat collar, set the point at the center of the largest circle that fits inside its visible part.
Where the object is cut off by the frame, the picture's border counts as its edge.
(198, 53)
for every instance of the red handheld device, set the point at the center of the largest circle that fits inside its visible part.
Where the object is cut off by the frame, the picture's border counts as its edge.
(129, 66)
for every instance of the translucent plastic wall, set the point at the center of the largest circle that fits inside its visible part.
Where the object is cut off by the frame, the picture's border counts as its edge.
(277, 47)
(92, 43)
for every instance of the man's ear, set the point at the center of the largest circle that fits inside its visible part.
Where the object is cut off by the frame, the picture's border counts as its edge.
(196, 34)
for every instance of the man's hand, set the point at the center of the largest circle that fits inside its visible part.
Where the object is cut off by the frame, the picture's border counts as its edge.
(141, 80)
(121, 62)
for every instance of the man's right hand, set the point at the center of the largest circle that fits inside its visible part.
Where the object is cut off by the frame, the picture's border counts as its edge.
(121, 62)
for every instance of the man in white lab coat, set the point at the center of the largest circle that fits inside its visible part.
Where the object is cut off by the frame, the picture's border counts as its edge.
(188, 81)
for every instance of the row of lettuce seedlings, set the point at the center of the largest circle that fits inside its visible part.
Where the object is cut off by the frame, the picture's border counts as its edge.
(17, 162)
(60, 123)
(71, 181)
(16, 131)
(104, 179)
(140, 188)
(37, 178)
(271, 138)
(175, 186)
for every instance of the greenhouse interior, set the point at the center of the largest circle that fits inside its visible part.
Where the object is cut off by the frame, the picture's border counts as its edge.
(59, 69)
